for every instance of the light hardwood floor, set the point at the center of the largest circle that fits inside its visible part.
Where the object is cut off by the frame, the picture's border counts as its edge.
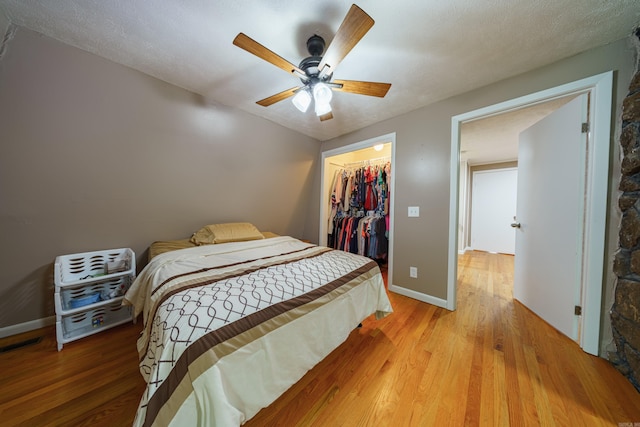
(490, 363)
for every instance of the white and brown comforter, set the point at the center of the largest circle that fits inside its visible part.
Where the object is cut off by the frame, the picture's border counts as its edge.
(228, 328)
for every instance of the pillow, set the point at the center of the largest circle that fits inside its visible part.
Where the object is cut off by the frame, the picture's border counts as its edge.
(224, 233)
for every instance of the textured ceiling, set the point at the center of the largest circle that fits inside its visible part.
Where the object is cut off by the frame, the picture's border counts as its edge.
(428, 50)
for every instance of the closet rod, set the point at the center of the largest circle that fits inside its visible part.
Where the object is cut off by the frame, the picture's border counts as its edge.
(369, 161)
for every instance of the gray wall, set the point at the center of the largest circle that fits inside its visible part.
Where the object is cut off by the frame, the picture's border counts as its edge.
(94, 155)
(423, 139)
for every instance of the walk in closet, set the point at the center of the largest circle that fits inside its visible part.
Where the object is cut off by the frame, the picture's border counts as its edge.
(357, 201)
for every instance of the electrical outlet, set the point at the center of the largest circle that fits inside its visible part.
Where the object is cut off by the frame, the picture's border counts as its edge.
(414, 211)
(413, 272)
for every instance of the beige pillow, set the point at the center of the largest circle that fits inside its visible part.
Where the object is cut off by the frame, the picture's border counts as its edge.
(224, 233)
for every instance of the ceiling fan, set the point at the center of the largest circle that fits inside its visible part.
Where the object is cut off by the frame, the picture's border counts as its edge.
(316, 71)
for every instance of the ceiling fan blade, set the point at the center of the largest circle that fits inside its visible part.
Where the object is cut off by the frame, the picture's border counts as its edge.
(327, 116)
(278, 97)
(362, 88)
(353, 28)
(247, 43)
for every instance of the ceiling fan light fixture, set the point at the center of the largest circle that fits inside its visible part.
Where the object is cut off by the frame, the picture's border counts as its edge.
(322, 94)
(322, 108)
(302, 100)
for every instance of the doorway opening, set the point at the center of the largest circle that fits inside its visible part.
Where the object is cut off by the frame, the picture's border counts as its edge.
(600, 89)
(374, 153)
(489, 149)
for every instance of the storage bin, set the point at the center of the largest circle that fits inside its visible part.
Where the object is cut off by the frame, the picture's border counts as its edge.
(76, 324)
(85, 323)
(72, 297)
(86, 267)
(89, 289)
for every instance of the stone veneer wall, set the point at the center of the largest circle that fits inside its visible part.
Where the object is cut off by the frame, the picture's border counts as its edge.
(625, 313)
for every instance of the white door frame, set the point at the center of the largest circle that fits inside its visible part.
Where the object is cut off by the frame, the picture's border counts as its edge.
(597, 182)
(324, 195)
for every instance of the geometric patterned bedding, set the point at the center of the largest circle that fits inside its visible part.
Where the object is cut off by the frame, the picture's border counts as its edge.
(229, 327)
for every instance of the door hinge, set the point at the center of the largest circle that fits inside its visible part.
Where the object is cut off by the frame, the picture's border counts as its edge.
(585, 127)
(577, 310)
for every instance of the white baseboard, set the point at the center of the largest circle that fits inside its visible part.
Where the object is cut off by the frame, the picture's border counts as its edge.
(27, 326)
(419, 296)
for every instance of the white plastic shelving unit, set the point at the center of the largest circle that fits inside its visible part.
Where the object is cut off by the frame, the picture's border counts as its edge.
(89, 288)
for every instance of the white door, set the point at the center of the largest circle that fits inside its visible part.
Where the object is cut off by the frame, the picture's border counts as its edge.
(493, 206)
(550, 211)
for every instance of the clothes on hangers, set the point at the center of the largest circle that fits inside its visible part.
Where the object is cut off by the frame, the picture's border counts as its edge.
(365, 236)
(354, 192)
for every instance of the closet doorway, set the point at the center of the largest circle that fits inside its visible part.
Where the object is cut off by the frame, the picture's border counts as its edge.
(371, 154)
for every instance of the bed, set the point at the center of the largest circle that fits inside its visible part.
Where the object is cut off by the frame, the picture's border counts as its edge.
(229, 326)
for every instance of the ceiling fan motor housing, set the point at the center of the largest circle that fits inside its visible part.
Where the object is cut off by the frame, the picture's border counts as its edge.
(315, 46)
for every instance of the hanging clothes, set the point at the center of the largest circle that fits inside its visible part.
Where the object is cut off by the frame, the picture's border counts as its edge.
(359, 218)
(365, 236)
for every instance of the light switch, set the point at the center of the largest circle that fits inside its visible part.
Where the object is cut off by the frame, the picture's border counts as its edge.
(413, 272)
(414, 211)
